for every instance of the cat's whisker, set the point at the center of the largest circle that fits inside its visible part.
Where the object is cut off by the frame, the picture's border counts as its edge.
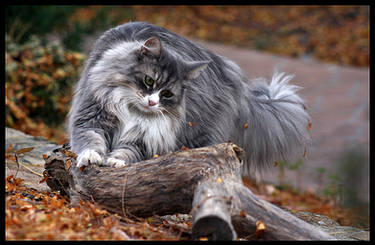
(134, 102)
(134, 105)
(174, 116)
(161, 112)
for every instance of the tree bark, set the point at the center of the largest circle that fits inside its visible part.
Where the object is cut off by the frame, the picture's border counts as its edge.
(205, 181)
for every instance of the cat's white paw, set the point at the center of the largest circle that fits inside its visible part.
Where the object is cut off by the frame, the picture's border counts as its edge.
(89, 156)
(114, 162)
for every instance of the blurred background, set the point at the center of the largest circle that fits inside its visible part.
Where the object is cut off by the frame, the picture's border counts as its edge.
(327, 47)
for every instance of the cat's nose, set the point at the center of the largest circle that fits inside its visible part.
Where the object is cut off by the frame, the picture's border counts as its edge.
(151, 103)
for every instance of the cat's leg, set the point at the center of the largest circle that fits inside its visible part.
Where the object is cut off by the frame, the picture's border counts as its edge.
(90, 147)
(124, 155)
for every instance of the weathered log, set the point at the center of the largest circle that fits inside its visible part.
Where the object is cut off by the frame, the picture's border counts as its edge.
(205, 181)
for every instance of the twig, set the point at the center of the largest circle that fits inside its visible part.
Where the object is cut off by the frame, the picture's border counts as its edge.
(32, 171)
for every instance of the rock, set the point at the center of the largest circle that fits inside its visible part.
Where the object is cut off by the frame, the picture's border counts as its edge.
(33, 161)
(20, 140)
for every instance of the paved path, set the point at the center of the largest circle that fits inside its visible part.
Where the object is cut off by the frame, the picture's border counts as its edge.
(338, 98)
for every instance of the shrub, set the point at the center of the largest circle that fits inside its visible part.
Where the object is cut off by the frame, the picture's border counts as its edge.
(38, 85)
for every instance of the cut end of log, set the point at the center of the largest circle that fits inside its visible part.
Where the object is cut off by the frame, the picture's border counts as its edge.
(213, 228)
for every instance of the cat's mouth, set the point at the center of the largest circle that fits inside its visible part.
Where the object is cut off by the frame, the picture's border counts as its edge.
(144, 109)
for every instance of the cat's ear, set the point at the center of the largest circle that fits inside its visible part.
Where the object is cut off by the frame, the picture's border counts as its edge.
(195, 68)
(152, 46)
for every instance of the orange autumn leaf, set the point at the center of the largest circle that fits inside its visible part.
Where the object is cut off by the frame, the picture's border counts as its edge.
(45, 177)
(43, 180)
(309, 126)
(10, 148)
(260, 228)
(24, 150)
(68, 164)
(184, 148)
(246, 125)
(69, 153)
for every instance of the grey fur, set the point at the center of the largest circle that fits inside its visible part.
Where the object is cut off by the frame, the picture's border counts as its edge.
(210, 91)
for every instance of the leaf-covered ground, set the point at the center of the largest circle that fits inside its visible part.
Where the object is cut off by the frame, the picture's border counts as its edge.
(34, 215)
(337, 34)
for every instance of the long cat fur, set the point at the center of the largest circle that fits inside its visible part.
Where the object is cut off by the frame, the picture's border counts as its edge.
(213, 106)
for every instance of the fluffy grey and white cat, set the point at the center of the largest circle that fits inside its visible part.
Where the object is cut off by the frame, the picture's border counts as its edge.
(146, 91)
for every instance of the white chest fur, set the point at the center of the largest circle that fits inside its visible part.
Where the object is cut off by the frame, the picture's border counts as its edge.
(157, 133)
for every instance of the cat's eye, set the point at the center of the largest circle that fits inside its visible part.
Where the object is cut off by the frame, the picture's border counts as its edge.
(166, 93)
(148, 81)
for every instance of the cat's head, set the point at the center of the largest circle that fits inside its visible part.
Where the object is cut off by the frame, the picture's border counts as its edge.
(144, 76)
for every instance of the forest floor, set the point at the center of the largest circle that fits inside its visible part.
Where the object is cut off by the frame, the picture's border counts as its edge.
(38, 215)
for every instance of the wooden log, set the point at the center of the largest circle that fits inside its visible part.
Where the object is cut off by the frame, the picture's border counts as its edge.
(212, 203)
(206, 181)
(163, 185)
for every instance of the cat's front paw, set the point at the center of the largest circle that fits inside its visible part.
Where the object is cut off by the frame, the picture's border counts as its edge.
(87, 157)
(114, 162)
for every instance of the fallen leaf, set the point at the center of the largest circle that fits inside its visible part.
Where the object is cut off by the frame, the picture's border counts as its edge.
(10, 148)
(246, 125)
(24, 150)
(309, 126)
(203, 239)
(260, 228)
(46, 176)
(68, 164)
(69, 154)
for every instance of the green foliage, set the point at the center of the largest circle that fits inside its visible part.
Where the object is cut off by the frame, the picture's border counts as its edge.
(349, 178)
(320, 171)
(39, 81)
(103, 18)
(291, 166)
(295, 167)
(70, 23)
(353, 168)
(24, 21)
(334, 189)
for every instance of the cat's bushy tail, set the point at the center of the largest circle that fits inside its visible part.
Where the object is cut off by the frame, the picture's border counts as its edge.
(276, 123)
